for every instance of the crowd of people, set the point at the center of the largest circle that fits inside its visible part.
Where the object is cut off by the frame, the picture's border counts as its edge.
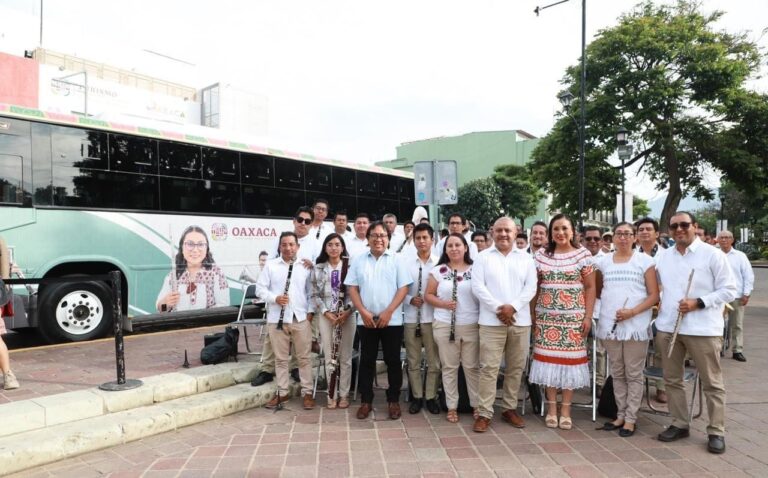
(482, 302)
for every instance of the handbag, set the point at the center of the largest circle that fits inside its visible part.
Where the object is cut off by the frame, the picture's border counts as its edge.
(221, 349)
(606, 407)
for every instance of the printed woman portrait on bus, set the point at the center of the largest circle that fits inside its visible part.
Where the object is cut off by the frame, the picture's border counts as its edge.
(197, 282)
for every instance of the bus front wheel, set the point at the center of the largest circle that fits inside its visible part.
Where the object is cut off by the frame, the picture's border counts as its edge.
(75, 312)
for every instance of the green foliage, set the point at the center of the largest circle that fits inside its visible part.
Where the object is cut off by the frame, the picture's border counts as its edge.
(520, 195)
(640, 208)
(676, 83)
(479, 201)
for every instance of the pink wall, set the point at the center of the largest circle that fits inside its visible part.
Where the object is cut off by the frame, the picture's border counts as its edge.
(19, 81)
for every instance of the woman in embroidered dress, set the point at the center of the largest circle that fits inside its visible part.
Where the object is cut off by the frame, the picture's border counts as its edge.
(200, 284)
(627, 286)
(326, 281)
(465, 348)
(563, 314)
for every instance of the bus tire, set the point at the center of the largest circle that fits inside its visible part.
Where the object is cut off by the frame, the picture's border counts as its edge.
(75, 312)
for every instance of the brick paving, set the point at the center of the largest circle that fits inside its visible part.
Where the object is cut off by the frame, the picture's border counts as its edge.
(330, 443)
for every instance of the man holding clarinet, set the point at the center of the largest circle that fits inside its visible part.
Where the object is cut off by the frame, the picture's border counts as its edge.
(696, 283)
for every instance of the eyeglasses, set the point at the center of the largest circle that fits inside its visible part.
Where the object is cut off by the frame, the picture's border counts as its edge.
(320, 208)
(592, 239)
(624, 234)
(195, 245)
(378, 236)
(304, 220)
(682, 225)
(455, 223)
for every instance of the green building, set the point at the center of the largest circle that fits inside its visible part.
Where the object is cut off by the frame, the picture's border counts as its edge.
(476, 154)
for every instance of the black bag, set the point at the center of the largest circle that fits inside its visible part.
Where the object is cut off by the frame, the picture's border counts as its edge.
(222, 348)
(606, 407)
(534, 394)
(464, 406)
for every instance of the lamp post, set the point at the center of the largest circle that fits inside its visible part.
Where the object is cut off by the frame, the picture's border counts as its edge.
(625, 151)
(723, 197)
(582, 99)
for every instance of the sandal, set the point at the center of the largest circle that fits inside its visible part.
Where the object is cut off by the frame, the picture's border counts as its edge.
(565, 422)
(344, 402)
(452, 416)
(551, 420)
(331, 403)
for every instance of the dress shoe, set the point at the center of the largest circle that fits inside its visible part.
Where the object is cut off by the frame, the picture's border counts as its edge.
(416, 405)
(626, 432)
(512, 417)
(481, 425)
(673, 433)
(315, 347)
(740, 357)
(364, 411)
(309, 402)
(433, 406)
(716, 444)
(261, 379)
(661, 396)
(610, 426)
(394, 410)
(295, 375)
(277, 400)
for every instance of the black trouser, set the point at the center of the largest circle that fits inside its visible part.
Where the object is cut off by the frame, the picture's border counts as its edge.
(391, 339)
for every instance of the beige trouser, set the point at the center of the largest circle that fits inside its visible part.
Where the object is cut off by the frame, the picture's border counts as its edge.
(463, 351)
(705, 352)
(413, 346)
(736, 326)
(657, 362)
(301, 334)
(627, 359)
(512, 343)
(268, 357)
(345, 351)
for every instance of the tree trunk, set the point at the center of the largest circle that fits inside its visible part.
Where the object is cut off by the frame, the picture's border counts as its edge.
(675, 194)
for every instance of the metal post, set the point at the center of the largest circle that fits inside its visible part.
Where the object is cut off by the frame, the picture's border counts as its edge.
(582, 95)
(623, 200)
(117, 315)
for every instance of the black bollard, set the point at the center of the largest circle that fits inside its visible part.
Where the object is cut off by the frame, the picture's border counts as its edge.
(117, 315)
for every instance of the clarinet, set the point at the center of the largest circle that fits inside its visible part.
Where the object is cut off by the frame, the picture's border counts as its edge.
(336, 344)
(285, 292)
(452, 338)
(418, 311)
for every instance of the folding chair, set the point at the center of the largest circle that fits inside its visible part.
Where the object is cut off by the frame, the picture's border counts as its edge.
(249, 294)
(320, 365)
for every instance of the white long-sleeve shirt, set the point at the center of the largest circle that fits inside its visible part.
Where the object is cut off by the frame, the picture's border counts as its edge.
(742, 272)
(713, 283)
(309, 248)
(499, 279)
(438, 249)
(271, 283)
(412, 263)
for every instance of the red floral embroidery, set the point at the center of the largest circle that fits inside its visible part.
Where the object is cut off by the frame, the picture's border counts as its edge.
(566, 299)
(546, 300)
(574, 335)
(552, 334)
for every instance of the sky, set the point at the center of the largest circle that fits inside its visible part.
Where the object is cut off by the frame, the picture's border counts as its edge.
(352, 79)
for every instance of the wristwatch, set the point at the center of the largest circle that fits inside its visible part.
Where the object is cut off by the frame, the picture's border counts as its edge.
(700, 303)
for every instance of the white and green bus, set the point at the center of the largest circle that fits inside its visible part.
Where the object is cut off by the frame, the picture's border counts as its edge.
(80, 197)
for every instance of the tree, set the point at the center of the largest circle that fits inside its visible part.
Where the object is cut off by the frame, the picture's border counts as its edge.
(678, 86)
(520, 196)
(478, 201)
(640, 207)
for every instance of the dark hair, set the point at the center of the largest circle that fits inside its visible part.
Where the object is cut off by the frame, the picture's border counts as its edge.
(550, 248)
(424, 227)
(522, 235)
(444, 257)
(263, 253)
(323, 256)
(376, 224)
(648, 220)
(307, 210)
(340, 212)
(286, 234)
(479, 233)
(321, 200)
(181, 263)
(592, 227)
(539, 223)
(443, 232)
(460, 216)
(363, 215)
(677, 213)
(624, 223)
(409, 222)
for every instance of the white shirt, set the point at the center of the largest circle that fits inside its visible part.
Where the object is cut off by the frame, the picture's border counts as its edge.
(473, 252)
(412, 262)
(713, 282)
(499, 279)
(356, 246)
(742, 272)
(624, 282)
(467, 306)
(318, 233)
(271, 284)
(596, 310)
(309, 248)
(396, 240)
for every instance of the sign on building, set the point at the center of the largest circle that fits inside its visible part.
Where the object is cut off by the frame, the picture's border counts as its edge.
(435, 182)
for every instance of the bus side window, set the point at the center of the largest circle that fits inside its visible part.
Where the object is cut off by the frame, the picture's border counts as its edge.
(181, 160)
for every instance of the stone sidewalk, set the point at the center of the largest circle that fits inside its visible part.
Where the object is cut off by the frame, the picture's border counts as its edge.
(321, 442)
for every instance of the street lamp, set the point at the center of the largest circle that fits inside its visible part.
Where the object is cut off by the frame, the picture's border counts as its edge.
(625, 152)
(582, 98)
(723, 197)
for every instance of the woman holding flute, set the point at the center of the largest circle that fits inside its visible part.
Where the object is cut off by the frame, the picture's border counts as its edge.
(455, 327)
(628, 289)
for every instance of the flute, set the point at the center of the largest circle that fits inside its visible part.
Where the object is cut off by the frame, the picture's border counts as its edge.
(452, 337)
(285, 292)
(616, 322)
(680, 315)
(418, 311)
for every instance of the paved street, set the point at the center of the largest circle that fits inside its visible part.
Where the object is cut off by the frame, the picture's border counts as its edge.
(298, 443)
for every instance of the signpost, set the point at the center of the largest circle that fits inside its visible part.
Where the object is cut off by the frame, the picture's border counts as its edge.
(435, 183)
